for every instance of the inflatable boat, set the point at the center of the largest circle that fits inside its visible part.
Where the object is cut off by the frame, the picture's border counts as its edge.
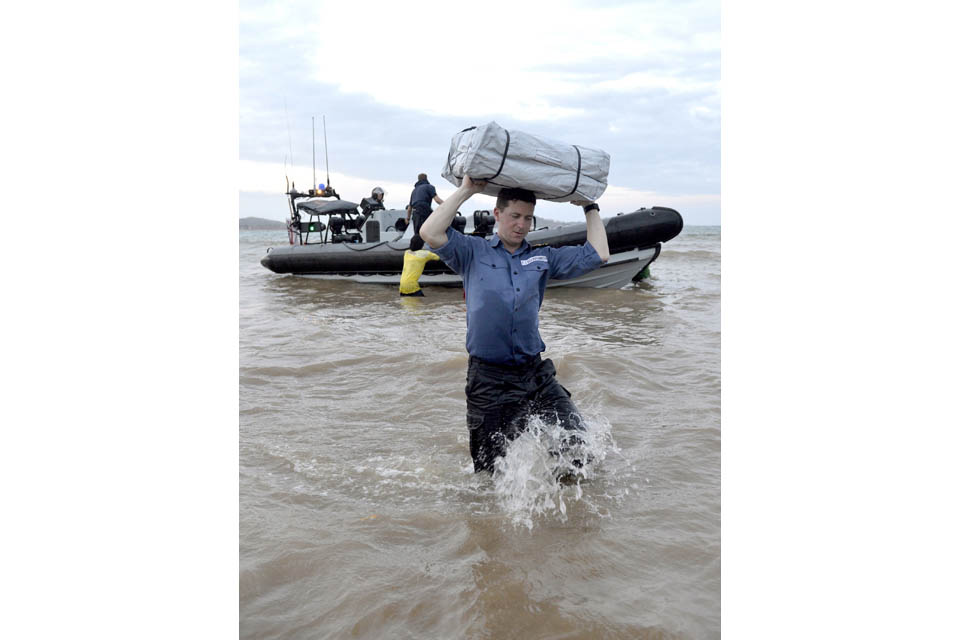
(363, 242)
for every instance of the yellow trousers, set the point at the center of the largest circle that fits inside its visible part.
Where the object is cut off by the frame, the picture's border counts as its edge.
(413, 265)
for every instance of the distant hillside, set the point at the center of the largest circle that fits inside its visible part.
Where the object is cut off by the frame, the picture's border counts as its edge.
(261, 224)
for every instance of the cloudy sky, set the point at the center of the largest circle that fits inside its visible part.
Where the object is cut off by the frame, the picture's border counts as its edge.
(640, 80)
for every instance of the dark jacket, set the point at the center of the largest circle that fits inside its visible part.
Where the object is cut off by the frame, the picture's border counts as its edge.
(421, 197)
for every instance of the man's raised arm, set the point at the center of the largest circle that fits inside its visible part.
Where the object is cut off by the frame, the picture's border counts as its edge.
(596, 232)
(434, 229)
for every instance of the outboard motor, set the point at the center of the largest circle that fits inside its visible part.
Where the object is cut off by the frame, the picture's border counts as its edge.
(459, 223)
(483, 223)
(355, 223)
(337, 224)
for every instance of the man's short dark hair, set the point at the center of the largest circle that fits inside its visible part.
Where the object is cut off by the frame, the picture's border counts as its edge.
(514, 193)
(422, 176)
(416, 243)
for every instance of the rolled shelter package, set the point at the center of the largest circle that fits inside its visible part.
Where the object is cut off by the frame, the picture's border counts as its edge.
(552, 170)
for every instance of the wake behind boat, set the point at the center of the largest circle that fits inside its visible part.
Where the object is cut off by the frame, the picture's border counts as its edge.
(342, 240)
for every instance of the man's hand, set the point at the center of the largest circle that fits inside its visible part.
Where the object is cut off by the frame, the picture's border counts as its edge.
(434, 229)
(473, 186)
(580, 203)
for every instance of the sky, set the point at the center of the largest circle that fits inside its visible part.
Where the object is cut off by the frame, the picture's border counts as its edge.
(640, 80)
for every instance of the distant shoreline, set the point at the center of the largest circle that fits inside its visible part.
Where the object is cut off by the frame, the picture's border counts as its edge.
(261, 224)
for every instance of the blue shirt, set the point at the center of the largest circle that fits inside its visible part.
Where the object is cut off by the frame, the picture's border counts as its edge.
(423, 193)
(504, 291)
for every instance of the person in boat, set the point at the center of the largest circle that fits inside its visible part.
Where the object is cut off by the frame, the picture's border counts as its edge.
(421, 199)
(504, 279)
(377, 194)
(414, 260)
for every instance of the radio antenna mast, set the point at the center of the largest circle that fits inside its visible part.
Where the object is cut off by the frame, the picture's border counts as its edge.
(325, 155)
(313, 127)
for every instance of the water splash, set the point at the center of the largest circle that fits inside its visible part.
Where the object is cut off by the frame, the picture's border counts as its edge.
(541, 472)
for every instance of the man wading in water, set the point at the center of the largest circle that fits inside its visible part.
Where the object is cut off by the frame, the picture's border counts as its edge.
(504, 279)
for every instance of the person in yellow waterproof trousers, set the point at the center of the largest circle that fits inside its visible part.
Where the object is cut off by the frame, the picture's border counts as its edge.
(415, 259)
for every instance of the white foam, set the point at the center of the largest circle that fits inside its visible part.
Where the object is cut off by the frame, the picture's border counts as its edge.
(537, 478)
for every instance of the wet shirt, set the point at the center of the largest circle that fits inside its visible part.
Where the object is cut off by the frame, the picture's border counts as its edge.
(504, 291)
(423, 193)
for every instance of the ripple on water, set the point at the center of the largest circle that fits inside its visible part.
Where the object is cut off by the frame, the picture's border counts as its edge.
(360, 511)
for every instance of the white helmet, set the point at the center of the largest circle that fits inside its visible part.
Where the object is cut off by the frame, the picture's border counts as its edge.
(377, 191)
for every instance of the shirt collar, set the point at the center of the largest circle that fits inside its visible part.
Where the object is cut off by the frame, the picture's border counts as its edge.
(496, 240)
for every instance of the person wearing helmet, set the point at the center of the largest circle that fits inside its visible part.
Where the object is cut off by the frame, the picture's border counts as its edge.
(377, 194)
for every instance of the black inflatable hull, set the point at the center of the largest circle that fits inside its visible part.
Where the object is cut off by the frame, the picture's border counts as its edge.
(638, 230)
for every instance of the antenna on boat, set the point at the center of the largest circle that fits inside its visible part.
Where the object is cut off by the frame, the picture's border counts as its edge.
(325, 155)
(286, 173)
(313, 126)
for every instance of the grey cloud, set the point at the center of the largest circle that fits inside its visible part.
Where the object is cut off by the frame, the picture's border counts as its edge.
(662, 143)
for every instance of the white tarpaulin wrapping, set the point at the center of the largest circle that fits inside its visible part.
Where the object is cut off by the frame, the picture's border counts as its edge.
(552, 170)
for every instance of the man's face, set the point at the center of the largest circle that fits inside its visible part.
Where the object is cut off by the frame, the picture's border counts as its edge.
(514, 223)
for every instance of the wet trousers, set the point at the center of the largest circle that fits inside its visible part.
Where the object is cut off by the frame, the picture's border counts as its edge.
(500, 398)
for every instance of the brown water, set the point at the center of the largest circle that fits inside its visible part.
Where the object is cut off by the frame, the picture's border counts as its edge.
(361, 517)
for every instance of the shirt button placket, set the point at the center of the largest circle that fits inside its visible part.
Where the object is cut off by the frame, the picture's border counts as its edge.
(516, 308)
